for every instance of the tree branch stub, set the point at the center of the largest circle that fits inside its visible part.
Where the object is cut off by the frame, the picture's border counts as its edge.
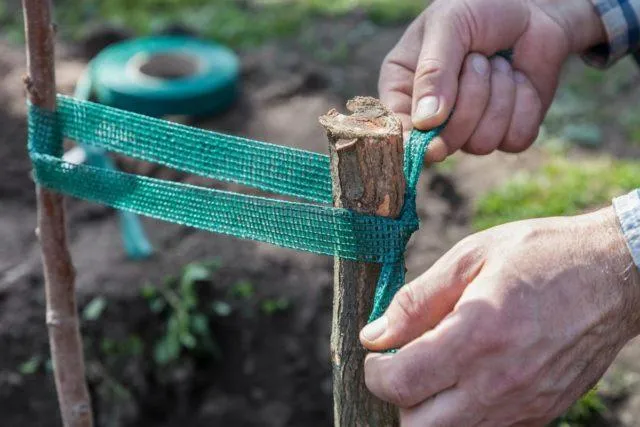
(366, 152)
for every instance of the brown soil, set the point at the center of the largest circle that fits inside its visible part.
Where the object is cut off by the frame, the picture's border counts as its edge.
(274, 369)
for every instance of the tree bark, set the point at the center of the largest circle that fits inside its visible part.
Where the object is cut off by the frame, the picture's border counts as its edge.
(59, 274)
(366, 153)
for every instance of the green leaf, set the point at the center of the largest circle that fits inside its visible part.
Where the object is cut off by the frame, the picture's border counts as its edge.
(134, 345)
(272, 306)
(188, 340)
(243, 289)
(108, 346)
(195, 272)
(94, 309)
(221, 308)
(200, 324)
(167, 350)
(148, 291)
(157, 305)
(31, 366)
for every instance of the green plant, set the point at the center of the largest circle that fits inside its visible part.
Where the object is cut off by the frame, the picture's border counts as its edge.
(186, 321)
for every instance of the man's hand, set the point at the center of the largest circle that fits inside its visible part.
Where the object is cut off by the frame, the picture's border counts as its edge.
(510, 326)
(441, 62)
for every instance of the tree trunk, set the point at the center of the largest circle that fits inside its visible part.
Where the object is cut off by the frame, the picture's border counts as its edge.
(59, 274)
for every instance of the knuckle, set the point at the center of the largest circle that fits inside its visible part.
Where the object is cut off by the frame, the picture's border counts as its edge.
(397, 389)
(407, 303)
(486, 340)
(519, 139)
(481, 145)
(467, 246)
(429, 70)
(511, 382)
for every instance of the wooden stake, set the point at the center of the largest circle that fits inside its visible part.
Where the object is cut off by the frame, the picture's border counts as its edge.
(366, 168)
(59, 274)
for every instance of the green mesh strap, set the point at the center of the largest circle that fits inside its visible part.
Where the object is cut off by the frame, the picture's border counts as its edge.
(304, 226)
(269, 167)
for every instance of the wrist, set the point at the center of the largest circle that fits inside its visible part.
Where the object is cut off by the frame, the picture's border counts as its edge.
(580, 20)
(623, 271)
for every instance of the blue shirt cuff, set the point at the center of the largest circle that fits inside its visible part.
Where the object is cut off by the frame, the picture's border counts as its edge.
(627, 209)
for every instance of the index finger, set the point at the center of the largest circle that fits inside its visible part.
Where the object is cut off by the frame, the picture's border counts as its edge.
(395, 85)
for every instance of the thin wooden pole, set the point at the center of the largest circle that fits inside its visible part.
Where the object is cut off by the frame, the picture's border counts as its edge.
(366, 168)
(59, 274)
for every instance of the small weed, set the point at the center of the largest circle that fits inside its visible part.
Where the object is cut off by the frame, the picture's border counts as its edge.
(275, 305)
(243, 290)
(187, 324)
(131, 346)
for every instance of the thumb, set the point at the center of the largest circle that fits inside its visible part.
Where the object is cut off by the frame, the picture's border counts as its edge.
(421, 304)
(435, 86)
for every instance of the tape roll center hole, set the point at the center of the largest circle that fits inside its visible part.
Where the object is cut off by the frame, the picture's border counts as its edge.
(169, 66)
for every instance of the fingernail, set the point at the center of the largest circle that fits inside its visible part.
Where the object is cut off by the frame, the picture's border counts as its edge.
(519, 77)
(427, 107)
(480, 64)
(375, 329)
(501, 64)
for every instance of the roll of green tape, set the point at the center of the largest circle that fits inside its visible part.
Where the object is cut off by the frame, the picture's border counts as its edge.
(170, 75)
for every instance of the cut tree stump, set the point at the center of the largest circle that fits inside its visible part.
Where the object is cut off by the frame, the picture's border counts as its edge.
(366, 151)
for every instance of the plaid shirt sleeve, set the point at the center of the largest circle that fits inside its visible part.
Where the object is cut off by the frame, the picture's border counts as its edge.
(621, 20)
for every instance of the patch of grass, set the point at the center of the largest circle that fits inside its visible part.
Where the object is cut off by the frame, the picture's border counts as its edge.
(236, 23)
(560, 188)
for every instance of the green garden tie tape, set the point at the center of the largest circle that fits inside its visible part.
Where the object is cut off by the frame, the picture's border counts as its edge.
(316, 227)
(160, 76)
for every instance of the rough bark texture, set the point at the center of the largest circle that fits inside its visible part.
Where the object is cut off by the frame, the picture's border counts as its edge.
(366, 168)
(59, 274)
